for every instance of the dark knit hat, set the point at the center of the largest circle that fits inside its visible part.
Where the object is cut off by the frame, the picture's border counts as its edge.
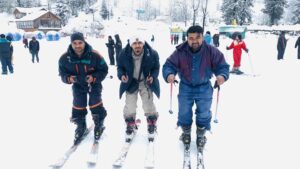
(77, 36)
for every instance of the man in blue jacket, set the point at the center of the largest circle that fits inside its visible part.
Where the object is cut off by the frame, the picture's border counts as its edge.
(85, 68)
(138, 69)
(195, 62)
(207, 37)
(6, 51)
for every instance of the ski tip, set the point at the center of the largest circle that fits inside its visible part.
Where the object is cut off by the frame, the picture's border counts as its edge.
(115, 166)
(53, 166)
(91, 164)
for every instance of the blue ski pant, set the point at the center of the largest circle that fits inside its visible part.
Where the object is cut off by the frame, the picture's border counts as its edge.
(202, 112)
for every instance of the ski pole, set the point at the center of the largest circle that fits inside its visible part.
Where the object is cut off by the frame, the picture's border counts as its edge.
(171, 91)
(218, 92)
(252, 70)
(171, 95)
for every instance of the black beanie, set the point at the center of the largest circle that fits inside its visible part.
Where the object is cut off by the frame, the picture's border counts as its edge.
(77, 36)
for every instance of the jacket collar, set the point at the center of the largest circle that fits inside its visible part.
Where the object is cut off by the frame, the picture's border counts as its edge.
(86, 53)
(185, 47)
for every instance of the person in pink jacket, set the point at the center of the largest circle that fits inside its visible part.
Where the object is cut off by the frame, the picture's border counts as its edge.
(237, 45)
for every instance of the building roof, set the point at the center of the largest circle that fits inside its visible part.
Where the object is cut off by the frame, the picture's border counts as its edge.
(30, 10)
(34, 16)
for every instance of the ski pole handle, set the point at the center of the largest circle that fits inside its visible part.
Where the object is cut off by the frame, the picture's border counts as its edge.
(216, 85)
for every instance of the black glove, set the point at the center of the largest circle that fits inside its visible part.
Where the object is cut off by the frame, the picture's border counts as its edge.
(227, 47)
(247, 50)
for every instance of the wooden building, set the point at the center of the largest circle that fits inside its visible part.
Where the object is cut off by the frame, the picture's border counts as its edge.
(40, 20)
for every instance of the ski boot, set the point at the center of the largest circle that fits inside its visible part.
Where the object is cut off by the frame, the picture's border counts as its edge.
(201, 139)
(239, 72)
(99, 128)
(186, 135)
(81, 129)
(233, 71)
(130, 129)
(151, 120)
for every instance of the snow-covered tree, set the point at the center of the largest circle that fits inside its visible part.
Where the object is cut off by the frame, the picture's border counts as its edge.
(274, 9)
(204, 12)
(62, 9)
(74, 7)
(245, 12)
(31, 3)
(104, 10)
(181, 11)
(195, 7)
(238, 10)
(295, 11)
(6, 6)
(150, 12)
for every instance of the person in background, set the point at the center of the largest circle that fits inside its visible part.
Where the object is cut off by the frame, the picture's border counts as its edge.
(25, 42)
(34, 48)
(6, 51)
(172, 39)
(183, 38)
(118, 46)
(281, 45)
(111, 52)
(216, 40)
(237, 45)
(297, 44)
(152, 38)
(207, 37)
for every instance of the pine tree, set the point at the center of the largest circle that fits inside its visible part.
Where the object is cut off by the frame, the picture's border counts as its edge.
(7, 6)
(104, 11)
(63, 11)
(238, 10)
(275, 10)
(229, 9)
(28, 3)
(245, 13)
(295, 9)
(74, 7)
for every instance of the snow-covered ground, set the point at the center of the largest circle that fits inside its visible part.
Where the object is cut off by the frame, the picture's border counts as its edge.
(258, 116)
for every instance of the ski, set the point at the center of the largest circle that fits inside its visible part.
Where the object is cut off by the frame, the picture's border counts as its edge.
(124, 151)
(186, 157)
(149, 160)
(61, 161)
(93, 156)
(200, 162)
(246, 74)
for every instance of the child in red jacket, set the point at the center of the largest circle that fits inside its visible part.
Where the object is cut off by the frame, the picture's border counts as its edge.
(237, 45)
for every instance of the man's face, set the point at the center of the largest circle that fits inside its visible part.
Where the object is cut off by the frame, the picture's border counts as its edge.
(137, 47)
(78, 46)
(195, 40)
